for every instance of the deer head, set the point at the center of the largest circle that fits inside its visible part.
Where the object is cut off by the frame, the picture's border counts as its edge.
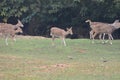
(19, 24)
(18, 30)
(116, 24)
(69, 30)
(88, 21)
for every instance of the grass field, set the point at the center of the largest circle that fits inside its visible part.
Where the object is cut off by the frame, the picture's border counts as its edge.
(37, 59)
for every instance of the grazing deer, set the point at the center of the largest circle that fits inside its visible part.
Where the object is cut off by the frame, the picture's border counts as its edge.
(103, 28)
(10, 33)
(57, 32)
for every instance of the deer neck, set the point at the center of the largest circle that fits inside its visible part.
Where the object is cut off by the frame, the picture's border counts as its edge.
(90, 22)
(66, 33)
(113, 28)
(116, 25)
(17, 25)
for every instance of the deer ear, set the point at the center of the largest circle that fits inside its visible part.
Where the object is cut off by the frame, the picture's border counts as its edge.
(116, 21)
(18, 20)
(67, 28)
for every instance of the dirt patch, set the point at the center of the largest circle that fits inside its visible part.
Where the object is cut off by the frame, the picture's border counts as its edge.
(82, 50)
(55, 66)
(52, 68)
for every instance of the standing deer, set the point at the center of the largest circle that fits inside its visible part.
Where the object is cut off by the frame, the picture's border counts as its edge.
(10, 30)
(104, 28)
(57, 32)
(10, 33)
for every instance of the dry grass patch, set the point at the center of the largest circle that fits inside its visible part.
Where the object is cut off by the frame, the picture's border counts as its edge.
(31, 37)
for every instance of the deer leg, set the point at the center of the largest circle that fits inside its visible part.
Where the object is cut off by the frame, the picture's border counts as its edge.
(53, 38)
(13, 37)
(63, 39)
(100, 35)
(93, 36)
(91, 33)
(110, 38)
(6, 39)
(103, 39)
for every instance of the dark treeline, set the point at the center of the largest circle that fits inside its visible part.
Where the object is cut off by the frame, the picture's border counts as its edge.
(39, 16)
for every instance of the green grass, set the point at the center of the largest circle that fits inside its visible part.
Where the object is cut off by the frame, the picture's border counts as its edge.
(37, 59)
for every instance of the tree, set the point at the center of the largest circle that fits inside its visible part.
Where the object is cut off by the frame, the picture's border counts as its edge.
(40, 15)
(17, 8)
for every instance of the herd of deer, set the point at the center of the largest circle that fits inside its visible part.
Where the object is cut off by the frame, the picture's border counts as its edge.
(96, 28)
(9, 30)
(103, 29)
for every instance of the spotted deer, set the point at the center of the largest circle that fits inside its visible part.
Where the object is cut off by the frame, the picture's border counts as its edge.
(58, 32)
(19, 24)
(10, 33)
(9, 30)
(103, 28)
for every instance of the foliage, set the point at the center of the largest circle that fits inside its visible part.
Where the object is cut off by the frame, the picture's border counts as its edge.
(61, 13)
(16, 8)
